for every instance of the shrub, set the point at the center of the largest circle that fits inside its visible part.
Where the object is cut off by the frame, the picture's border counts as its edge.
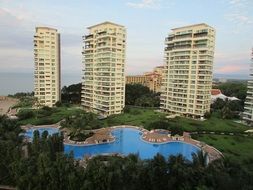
(58, 104)
(176, 130)
(25, 114)
(207, 115)
(126, 109)
(158, 125)
(135, 111)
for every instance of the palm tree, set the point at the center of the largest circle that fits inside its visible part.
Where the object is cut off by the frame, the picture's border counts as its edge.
(200, 159)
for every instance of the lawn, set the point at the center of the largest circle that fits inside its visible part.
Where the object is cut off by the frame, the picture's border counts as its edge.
(212, 124)
(135, 116)
(143, 117)
(237, 148)
(55, 116)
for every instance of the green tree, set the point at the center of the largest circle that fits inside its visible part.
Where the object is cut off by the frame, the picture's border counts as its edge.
(139, 95)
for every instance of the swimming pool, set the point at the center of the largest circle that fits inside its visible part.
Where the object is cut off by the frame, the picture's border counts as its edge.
(129, 141)
(50, 130)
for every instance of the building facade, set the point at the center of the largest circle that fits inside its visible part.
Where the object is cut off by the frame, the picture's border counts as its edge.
(248, 105)
(187, 79)
(103, 87)
(47, 72)
(152, 80)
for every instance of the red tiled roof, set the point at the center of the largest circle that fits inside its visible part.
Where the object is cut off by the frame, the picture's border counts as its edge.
(215, 91)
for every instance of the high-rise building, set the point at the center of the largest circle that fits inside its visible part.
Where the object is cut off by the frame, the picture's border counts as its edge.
(152, 80)
(103, 87)
(47, 73)
(187, 79)
(248, 105)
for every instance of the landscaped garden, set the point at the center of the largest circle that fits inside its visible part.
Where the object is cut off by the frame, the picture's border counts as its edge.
(131, 116)
(46, 115)
(144, 117)
(237, 148)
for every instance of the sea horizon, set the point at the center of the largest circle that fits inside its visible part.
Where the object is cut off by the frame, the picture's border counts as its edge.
(23, 82)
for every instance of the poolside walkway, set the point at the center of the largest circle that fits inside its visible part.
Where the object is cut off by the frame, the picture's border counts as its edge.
(100, 136)
(157, 136)
(29, 126)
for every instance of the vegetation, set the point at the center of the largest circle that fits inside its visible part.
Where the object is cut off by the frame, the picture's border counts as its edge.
(237, 148)
(227, 109)
(46, 115)
(71, 94)
(81, 121)
(134, 116)
(174, 129)
(237, 89)
(213, 124)
(26, 99)
(43, 165)
(79, 135)
(22, 94)
(148, 118)
(139, 95)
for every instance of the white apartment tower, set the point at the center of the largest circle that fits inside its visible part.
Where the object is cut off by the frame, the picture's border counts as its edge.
(187, 77)
(248, 105)
(47, 80)
(103, 87)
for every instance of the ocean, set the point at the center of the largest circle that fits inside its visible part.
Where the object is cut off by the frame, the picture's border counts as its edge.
(10, 83)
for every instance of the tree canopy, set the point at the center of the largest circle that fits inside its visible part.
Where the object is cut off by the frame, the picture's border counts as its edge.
(236, 89)
(139, 95)
(71, 93)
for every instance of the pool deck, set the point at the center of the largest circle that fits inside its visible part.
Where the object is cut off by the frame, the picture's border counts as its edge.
(28, 126)
(104, 135)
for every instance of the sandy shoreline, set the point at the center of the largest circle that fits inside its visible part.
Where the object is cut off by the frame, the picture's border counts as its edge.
(6, 103)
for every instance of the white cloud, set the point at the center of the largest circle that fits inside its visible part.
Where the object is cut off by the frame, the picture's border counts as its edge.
(239, 18)
(153, 4)
(239, 14)
(235, 63)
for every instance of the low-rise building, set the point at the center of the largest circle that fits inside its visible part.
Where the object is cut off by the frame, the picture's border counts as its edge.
(152, 80)
(216, 93)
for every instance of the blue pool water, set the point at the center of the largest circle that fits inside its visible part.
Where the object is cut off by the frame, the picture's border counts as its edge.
(29, 132)
(129, 141)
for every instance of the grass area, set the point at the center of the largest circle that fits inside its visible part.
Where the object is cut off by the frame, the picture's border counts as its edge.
(143, 117)
(212, 124)
(237, 148)
(54, 116)
(140, 117)
(135, 116)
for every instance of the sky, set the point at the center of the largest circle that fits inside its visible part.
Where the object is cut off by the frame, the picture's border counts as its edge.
(148, 22)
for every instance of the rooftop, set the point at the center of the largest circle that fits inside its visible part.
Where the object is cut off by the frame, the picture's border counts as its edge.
(215, 91)
(103, 23)
(191, 26)
(46, 28)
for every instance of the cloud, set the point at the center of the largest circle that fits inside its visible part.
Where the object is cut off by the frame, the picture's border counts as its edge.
(239, 12)
(232, 63)
(239, 3)
(239, 18)
(230, 69)
(152, 4)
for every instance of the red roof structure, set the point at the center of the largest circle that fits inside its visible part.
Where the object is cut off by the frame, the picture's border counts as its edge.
(215, 92)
